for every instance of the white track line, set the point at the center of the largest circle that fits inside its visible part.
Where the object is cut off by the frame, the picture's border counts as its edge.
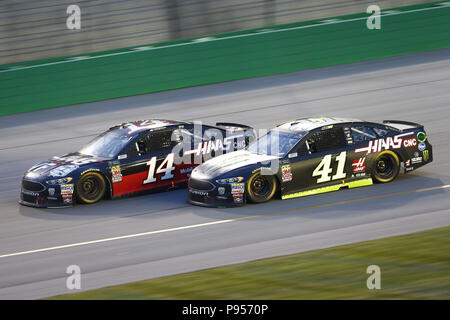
(218, 222)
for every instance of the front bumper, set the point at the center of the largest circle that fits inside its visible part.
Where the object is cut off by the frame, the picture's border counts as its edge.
(42, 198)
(212, 197)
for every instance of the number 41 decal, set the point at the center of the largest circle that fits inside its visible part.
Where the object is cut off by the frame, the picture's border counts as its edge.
(324, 168)
(168, 163)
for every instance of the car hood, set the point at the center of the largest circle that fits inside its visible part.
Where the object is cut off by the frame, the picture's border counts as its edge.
(61, 166)
(231, 161)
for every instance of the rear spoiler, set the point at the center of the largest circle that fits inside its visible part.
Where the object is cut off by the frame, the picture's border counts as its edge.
(231, 124)
(405, 123)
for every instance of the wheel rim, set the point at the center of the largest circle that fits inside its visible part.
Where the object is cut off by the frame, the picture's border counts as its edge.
(384, 166)
(90, 188)
(260, 186)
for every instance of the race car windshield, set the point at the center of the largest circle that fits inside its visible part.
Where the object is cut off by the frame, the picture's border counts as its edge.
(276, 143)
(108, 144)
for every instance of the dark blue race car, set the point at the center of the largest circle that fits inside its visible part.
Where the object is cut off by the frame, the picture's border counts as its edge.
(128, 159)
(310, 156)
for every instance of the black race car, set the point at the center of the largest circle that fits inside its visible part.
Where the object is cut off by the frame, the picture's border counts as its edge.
(128, 159)
(310, 156)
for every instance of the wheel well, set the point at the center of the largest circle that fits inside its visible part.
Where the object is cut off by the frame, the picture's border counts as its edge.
(109, 183)
(400, 156)
(278, 187)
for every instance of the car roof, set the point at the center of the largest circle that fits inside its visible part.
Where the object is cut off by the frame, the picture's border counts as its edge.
(145, 125)
(308, 124)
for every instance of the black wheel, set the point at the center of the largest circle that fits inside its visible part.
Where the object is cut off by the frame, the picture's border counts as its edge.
(90, 187)
(261, 188)
(387, 167)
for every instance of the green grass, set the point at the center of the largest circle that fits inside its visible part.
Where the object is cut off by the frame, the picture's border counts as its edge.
(414, 266)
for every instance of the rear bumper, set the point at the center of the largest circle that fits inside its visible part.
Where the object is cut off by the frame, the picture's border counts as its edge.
(419, 158)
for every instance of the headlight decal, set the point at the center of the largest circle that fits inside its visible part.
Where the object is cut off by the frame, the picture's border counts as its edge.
(230, 180)
(59, 181)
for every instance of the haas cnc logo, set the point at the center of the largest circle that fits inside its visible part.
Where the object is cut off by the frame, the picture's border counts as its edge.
(359, 165)
(387, 143)
(408, 143)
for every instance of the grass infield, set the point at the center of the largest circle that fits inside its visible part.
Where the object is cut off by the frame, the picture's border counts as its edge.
(413, 266)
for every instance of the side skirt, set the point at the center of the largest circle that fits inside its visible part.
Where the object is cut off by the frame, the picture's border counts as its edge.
(350, 185)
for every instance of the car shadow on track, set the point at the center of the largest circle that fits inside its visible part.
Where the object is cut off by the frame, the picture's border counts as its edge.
(346, 203)
(359, 201)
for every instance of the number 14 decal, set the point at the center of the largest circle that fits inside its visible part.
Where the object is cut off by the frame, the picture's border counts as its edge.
(324, 169)
(165, 167)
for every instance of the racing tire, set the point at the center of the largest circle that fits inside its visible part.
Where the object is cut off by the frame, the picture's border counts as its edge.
(386, 167)
(90, 188)
(261, 188)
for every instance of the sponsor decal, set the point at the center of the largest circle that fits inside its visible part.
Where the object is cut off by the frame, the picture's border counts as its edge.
(62, 171)
(122, 156)
(409, 169)
(221, 190)
(116, 174)
(384, 144)
(34, 194)
(348, 135)
(67, 189)
(293, 155)
(201, 193)
(286, 174)
(416, 154)
(408, 163)
(144, 125)
(426, 155)
(74, 160)
(408, 143)
(219, 144)
(237, 188)
(422, 146)
(416, 160)
(421, 136)
(186, 170)
(239, 199)
(51, 191)
(67, 199)
(89, 170)
(359, 165)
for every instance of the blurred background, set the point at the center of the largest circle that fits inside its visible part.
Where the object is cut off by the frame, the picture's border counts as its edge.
(31, 29)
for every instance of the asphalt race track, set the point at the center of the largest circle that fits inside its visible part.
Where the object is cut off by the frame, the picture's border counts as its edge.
(161, 234)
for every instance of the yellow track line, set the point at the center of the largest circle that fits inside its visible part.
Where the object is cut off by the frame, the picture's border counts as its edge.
(220, 221)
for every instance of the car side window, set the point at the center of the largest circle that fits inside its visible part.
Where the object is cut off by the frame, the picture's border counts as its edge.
(153, 142)
(381, 132)
(159, 141)
(301, 149)
(363, 133)
(325, 140)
